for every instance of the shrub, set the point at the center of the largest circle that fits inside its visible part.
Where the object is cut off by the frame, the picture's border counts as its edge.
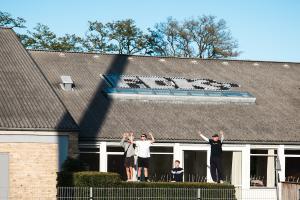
(96, 179)
(87, 179)
(110, 185)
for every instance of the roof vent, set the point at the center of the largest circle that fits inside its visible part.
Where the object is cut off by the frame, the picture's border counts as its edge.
(225, 63)
(255, 64)
(62, 55)
(162, 60)
(130, 58)
(96, 56)
(286, 66)
(67, 83)
(194, 62)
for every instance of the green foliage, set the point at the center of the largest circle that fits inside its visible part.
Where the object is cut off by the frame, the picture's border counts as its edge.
(107, 179)
(126, 37)
(96, 179)
(202, 37)
(88, 179)
(97, 38)
(110, 186)
(43, 38)
(6, 20)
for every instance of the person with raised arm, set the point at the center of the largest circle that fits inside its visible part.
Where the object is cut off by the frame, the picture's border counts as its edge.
(129, 152)
(143, 153)
(215, 155)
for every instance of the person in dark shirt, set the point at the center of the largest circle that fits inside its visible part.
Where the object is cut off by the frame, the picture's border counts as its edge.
(177, 172)
(215, 156)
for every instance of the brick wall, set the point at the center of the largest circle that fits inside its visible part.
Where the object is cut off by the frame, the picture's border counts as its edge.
(33, 167)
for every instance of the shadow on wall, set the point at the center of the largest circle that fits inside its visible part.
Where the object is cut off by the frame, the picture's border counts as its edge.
(97, 109)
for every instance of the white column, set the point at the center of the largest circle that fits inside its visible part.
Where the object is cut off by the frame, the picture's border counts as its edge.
(236, 169)
(271, 169)
(103, 157)
(246, 167)
(208, 175)
(281, 157)
(177, 153)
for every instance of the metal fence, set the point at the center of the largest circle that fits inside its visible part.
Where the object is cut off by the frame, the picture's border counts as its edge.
(146, 193)
(114, 193)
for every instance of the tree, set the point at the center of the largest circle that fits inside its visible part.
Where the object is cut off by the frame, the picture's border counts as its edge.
(6, 20)
(155, 44)
(126, 37)
(44, 38)
(212, 38)
(97, 39)
(165, 35)
(69, 42)
(203, 37)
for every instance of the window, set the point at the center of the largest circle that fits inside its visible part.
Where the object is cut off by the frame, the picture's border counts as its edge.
(195, 166)
(292, 163)
(262, 168)
(91, 157)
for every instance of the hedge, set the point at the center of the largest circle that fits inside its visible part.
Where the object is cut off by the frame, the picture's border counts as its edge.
(88, 179)
(108, 179)
(113, 182)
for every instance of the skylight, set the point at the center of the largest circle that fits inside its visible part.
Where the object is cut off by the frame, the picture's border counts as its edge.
(174, 89)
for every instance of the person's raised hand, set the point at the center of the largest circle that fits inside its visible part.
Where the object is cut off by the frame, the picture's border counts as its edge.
(125, 135)
(221, 132)
(199, 133)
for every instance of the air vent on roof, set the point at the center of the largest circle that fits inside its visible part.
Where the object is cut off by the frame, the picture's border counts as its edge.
(62, 55)
(255, 64)
(286, 66)
(67, 83)
(162, 60)
(194, 62)
(96, 56)
(225, 63)
(130, 58)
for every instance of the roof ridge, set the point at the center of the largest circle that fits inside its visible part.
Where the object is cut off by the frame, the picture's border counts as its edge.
(165, 57)
(5, 27)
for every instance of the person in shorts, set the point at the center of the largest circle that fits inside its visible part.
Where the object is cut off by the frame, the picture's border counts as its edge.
(143, 153)
(129, 152)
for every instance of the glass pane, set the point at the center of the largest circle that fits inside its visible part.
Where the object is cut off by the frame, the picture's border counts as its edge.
(161, 149)
(92, 159)
(195, 166)
(259, 151)
(89, 150)
(115, 163)
(297, 152)
(262, 171)
(158, 170)
(292, 169)
(115, 149)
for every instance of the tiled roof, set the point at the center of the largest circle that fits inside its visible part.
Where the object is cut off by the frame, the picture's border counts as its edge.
(27, 101)
(274, 118)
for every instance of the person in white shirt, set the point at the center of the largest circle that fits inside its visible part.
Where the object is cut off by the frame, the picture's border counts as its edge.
(143, 153)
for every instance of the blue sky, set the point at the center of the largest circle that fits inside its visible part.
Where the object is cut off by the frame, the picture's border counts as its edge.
(265, 29)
